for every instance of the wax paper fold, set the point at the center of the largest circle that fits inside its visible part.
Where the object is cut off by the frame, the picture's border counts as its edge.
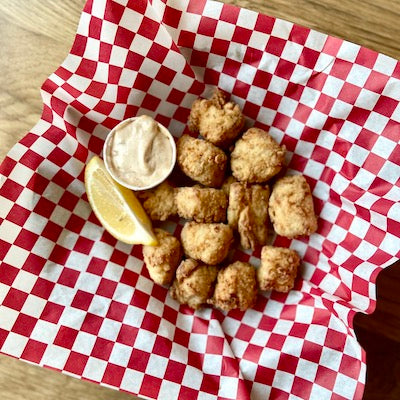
(74, 299)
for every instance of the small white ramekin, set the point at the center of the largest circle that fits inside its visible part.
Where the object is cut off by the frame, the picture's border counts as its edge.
(107, 161)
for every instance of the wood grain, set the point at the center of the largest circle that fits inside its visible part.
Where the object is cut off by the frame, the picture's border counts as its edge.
(370, 23)
(35, 37)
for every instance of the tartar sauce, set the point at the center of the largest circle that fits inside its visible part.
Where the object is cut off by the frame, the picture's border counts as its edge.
(139, 152)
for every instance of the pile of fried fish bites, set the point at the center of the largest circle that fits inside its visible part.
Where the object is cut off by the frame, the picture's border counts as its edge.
(222, 207)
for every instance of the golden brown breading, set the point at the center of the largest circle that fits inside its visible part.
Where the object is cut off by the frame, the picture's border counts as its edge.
(248, 213)
(217, 120)
(201, 161)
(291, 207)
(201, 204)
(209, 243)
(159, 203)
(278, 268)
(163, 259)
(194, 283)
(256, 157)
(236, 287)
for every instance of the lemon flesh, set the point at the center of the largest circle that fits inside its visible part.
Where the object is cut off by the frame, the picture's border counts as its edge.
(116, 207)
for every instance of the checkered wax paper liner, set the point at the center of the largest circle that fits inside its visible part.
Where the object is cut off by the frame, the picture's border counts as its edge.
(76, 300)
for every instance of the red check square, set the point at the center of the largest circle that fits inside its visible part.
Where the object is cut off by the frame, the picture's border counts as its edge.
(24, 325)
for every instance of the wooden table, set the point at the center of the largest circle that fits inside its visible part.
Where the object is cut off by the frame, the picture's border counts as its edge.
(36, 35)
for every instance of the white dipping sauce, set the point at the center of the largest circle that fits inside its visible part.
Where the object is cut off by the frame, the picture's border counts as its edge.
(140, 152)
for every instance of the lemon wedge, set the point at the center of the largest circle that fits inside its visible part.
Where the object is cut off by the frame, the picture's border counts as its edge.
(116, 207)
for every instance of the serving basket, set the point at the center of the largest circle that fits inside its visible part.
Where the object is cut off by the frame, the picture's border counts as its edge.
(74, 299)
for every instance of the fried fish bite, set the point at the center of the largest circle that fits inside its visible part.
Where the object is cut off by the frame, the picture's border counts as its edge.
(194, 283)
(208, 243)
(159, 203)
(163, 259)
(201, 161)
(278, 268)
(248, 213)
(256, 157)
(201, 204)
(291, 207)
(217, 120)
(236, 287)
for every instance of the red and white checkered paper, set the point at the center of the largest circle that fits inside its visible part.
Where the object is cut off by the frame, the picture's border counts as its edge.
(76, 300)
